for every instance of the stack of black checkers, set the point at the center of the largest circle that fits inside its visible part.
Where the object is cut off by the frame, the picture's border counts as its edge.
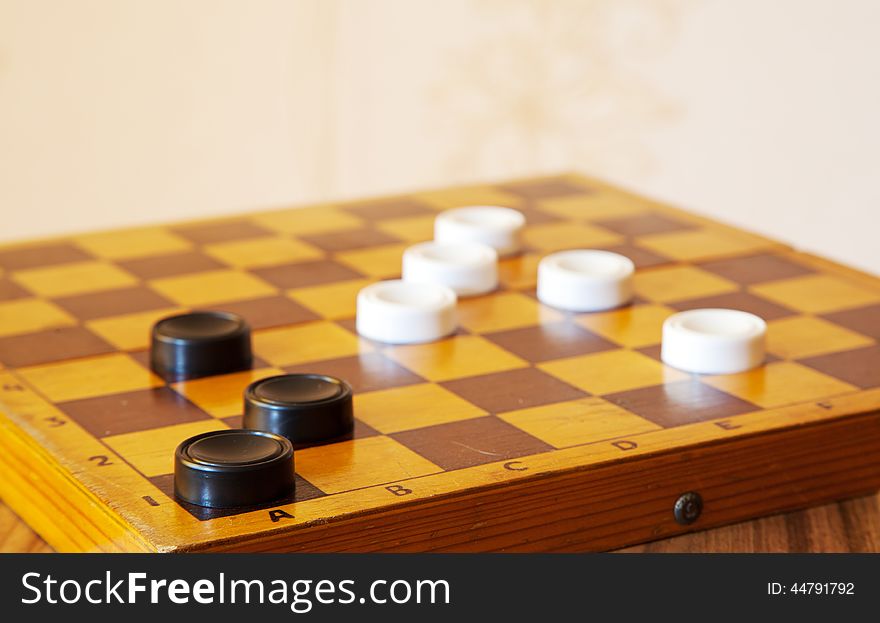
(253, 465)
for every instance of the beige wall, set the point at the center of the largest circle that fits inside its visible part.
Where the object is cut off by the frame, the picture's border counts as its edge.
(123, 111)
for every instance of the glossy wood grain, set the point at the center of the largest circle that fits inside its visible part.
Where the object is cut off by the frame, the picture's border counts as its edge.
(16, 536)
(848, 526)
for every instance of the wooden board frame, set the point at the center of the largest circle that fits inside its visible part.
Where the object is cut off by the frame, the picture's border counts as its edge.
(83, 492)
(772, 462)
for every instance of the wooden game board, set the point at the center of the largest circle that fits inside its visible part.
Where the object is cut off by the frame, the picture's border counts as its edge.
(530, 429)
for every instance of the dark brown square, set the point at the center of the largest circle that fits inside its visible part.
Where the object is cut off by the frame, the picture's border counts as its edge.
(233, 421)
(365, 373)
(222, 232)
(515, 389)
(272, 311)
(349, 239)
(54, 345)
(654, 351)
(756, 268)
(534, 216)
(550, 341)
(682, 402)
(41, 255)
(360, 431)
(743, 301)
(641, 257)
(113, 302)
(304, 274)
(304, 491)
(864, 320)
(545, 188)
(10, 290)
(171, 265)
(470, 442)
(132, 411)
(644, 224)
(859, 367)
(389, 208)
(142, 357)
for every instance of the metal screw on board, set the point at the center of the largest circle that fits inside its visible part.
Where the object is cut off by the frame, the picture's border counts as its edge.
(687, 508)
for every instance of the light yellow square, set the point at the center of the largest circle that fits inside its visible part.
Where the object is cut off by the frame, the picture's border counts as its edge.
(507, 310)
(565, 235)
(312, 341)
(678, 283)
(264, 251)
(151, 452)
(703, 243)
(413, 406)
(307, 221)
(778, 384)
(586, 420)
(612, 371)
(360, 463)
(381, 262)
(128, 244)
(519, 272)
(332, 300)
(74, 278)
(633, 326)
(409, 228)
(805, 336)
(212, 287)
(90, 377)
(817, 294)
(455, 357)
(130, 331)
(222, 395)
(30, 315)
(595, 207)
(469, 196)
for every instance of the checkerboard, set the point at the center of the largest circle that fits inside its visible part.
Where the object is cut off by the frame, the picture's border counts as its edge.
(529, 429)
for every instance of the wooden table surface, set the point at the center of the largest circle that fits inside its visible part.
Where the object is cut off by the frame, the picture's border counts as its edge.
(849, 526)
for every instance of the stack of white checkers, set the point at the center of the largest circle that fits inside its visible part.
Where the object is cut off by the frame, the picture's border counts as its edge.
(462, 261)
